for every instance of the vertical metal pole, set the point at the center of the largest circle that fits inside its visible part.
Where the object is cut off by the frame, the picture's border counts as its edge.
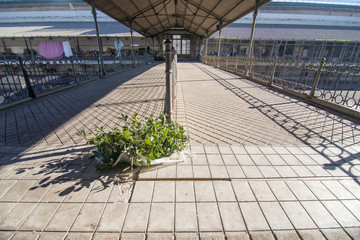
(249, 57)
(73, 70)
(132, 45)
(219, 43)
(31, 51)
(273, 72)
(206, 48)
(168, 97)
(317, 77)
(146, 48)
(102, 67)
(31, 92)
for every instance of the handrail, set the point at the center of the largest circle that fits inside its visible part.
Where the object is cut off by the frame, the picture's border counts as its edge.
(332, 82)
(18, 77)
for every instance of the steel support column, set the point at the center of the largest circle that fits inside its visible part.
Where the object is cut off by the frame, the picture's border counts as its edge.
(206, 48)
(219, 43)
(168, 96)
(102, 67)
(250, 52)
(132, 45)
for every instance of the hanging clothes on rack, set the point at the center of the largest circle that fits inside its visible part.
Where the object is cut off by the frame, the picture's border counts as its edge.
(67, 49)
(118, 45)
(51, 50)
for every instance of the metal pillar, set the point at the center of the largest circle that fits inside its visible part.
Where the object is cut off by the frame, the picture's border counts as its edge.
(317, 77)
(102, 67)
(132, 44)
(168, 97)
(249, 57)
(220, 29)
(206, 48)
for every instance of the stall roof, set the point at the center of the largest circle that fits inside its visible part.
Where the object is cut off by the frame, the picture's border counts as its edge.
(154, 17)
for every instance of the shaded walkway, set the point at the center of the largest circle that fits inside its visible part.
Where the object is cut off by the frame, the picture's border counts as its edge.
(265, 165)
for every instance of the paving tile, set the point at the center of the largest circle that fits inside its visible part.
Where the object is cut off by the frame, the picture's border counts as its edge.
(184, 172)
(245, 160)
(254, 219)
(319, 214)
(252, 172)
(155, 236)
(352, 186)
(262, 191)
(224, 191)
(200, 160)
(64, 217)
(211, 149)
(164, 191)
(281, 150)
(218, 172)
(302, 171)
(269, 171)
(353, 206)
(253, 150)
(235, 172)
(197, 148)
(6, 235)
(333, 234)
(306, 160)
(341, 214)
(161, 217)
(215, 160)
(225, 149)
(275, 216)
(132, 236)
(319, 171)
(166, 171)
(113, 217)
(320, 191)
(230, 160)
(286, 235)
(58, 192)
(17, 191)
(186, 220)
(79, 236)
(263, 235)
(204, 191)
(88, 217)
(311, 234)
(281, 191)
(143, 191)
(243, 191)
(148, 172)
(294, 150)
(26, 235)
(209, 217)
(266, 150)
(291, 160)
(185, 191)
(285, 171)
(40, 217)
(237, 236)
(353, 232)
(212, 236)
(201, 172)
(276, 160)
(106, 236)
(80, 191)
(100, 192)
(52, 235)
(231, 217)
(260, 160)
(338, 190)
(186, 236)
(137, 217)
(238, 149)
(300, 190)
(5, 208)
(17, 216)
(297, 215)
(5, 185)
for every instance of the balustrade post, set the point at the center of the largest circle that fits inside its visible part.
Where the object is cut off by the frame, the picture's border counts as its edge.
(168, 97)
(30, 89)
(236, 63)
(73, 70)
(317, 77)
(273, 72)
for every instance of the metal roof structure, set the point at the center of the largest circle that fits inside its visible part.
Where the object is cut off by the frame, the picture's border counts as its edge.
(154, 17)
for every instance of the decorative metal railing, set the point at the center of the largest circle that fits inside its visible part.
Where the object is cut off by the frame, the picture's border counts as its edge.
(20, 79)
(333, 82)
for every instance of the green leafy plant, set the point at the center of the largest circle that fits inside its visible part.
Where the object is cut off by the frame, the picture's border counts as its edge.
(140, 140)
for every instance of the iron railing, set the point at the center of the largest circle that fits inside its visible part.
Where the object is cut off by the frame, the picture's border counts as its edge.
(20, 79)
(333, 82)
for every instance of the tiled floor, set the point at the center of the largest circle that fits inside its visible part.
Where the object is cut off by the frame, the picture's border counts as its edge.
(263, 165)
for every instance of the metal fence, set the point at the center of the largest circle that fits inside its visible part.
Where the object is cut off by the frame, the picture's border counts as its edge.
(21, 79)
(333, 82)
